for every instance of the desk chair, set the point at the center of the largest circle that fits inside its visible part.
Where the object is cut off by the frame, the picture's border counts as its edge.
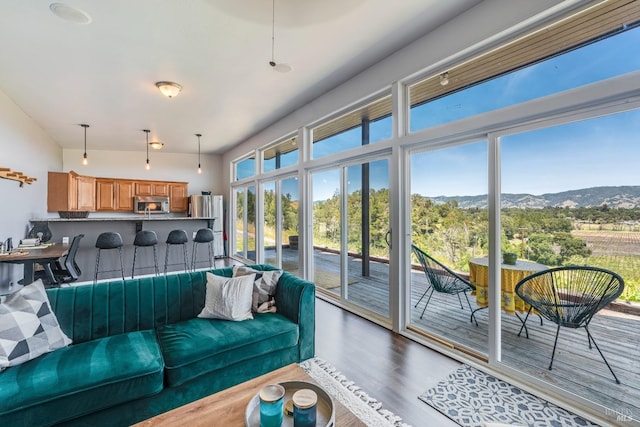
(56, 273)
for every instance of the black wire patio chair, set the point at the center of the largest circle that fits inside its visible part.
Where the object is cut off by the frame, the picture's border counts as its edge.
(570, 296)
(442, 279)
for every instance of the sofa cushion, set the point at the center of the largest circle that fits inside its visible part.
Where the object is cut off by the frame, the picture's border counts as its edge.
(193, 347)
(84, 378)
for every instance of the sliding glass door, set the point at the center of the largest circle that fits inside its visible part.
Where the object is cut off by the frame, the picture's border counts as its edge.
(351, 223)
(280, 225)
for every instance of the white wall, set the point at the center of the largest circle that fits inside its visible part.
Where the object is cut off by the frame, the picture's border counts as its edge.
(164, 167)
(26, 148)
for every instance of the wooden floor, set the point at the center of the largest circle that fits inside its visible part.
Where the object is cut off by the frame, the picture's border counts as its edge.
(576, 369)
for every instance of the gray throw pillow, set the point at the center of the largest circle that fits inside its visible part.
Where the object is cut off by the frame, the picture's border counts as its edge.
(28, 327)
(228, 298)
(264, 287)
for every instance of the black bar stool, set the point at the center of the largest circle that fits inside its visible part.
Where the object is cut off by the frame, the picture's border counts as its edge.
(105, 241)
(176, 237)
(204, 235)
(145, 238)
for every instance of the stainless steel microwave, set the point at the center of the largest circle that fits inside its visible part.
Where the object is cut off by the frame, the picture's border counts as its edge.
(150, 204)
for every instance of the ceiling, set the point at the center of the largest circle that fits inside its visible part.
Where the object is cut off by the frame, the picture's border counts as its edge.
(103, 73)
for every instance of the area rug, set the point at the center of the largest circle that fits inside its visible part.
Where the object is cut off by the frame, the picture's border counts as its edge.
(368, 409)
(470, 398)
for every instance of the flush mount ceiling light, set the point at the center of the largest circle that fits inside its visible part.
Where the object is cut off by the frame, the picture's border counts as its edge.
(199, 168)
(156, 145)
(169, 89)
(147, 166)
(279, 67)
(70, 14)
(444, 78)
(85, 160)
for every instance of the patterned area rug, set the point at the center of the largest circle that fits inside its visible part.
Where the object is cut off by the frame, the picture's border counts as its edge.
(368, 409)
(470, 398)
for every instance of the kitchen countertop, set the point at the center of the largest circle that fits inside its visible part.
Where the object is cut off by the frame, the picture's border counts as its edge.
(156, 217)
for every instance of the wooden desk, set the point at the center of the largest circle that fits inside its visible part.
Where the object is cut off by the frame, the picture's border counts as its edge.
(227, 407)
(509, 278)
(29, 257)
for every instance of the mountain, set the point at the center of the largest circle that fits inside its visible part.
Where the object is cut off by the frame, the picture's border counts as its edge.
(615, 197)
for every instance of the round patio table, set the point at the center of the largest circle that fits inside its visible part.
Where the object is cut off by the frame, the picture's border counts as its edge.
(509, 278)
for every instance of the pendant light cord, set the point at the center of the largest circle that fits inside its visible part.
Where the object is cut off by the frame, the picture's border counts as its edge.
(273, 32)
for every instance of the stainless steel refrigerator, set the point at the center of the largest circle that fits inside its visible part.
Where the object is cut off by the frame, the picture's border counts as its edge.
(210, 206)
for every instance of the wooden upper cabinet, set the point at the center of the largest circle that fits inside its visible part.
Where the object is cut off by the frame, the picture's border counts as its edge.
(160, 189)
(68, 191)
(124, 195)
(114, 195)
(143, 188)
(105, 194)
(178, 197)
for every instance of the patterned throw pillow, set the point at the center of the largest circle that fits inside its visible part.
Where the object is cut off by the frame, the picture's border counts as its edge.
(264, 288)
(28, 327)
(228, 298)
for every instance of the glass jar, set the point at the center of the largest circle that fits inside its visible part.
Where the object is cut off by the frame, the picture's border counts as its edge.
(271, 405)
(305, 404)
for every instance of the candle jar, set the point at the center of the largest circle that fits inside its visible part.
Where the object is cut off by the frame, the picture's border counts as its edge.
(271, 405)
(305, 404)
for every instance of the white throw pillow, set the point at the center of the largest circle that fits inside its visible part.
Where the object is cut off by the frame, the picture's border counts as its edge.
(28, 326)
(228, 298)
(264, 286)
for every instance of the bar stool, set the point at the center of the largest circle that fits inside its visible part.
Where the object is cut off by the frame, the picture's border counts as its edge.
(105, 241)
(176, 237)
(145, 238)
(204, 235)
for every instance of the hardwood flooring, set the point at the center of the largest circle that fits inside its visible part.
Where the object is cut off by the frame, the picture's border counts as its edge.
(389, 367)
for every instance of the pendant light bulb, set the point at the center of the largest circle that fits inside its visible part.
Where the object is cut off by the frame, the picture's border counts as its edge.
(85, 160)
(199, 167)
(147, 166)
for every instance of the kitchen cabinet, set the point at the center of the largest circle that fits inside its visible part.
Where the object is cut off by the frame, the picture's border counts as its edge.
(143, 188)
(124, 195)
(69, 191)
(178, 200)
(150, 188)
(105, 194)
(114, 195)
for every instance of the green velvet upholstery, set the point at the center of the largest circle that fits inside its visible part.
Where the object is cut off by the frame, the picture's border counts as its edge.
(139, 350)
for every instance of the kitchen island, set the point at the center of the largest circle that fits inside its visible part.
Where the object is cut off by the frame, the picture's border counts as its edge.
(127, 226)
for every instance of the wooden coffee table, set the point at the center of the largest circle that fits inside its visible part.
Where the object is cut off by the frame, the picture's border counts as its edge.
(227, 407)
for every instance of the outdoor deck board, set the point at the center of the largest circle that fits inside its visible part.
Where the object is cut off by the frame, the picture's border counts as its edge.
(576, 368)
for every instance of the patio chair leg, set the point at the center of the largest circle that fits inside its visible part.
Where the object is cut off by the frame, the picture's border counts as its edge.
(425, 306)
(524, 323)
(460, 300)
(555, 343)
(473, 318)
(601, 355)
(425, 292)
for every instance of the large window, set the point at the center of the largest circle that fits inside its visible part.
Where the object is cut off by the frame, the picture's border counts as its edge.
(363, 126)
(529, 68)
(280, 155)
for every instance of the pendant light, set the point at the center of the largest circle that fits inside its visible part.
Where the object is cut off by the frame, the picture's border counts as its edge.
(85, 160)
(147, 166)
(280, 67)
(199, 168)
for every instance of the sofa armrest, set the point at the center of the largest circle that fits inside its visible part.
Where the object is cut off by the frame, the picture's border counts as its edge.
(295, 299)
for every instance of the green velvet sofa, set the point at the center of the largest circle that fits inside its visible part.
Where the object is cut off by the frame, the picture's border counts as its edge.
(139, 349)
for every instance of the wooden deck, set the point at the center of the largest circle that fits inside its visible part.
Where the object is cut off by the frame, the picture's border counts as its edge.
(576, 368)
